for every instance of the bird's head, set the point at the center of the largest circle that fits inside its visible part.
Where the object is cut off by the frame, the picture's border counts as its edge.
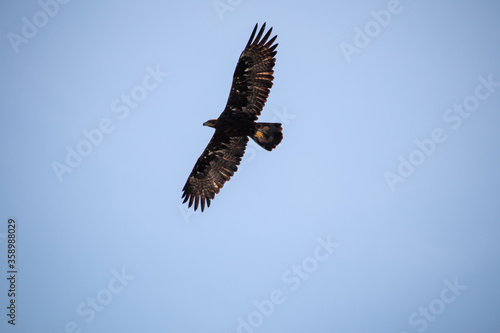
(210, 123)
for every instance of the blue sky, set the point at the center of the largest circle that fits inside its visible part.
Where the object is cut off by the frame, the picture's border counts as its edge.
(378, 212)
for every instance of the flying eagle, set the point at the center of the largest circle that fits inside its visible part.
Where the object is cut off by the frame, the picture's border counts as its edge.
(252, 79)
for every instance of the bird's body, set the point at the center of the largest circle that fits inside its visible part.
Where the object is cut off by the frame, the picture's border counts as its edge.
(251, 83)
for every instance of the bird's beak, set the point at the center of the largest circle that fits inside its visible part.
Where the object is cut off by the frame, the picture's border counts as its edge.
(210, 123)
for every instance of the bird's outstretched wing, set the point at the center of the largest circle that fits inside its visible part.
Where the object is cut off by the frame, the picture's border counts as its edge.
(252, 81)
(216, 165)
(253, 78)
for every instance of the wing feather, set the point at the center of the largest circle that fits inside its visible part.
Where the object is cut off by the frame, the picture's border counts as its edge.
(253, 77)
(216, 165)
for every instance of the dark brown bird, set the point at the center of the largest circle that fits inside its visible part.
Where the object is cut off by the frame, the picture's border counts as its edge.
(252, 80)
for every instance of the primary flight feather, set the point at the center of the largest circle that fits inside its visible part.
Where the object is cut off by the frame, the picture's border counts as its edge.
(252, 80)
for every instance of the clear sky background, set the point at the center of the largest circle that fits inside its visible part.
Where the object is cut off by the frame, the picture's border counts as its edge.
(379, 211)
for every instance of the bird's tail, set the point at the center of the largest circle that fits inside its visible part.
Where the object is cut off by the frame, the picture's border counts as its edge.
(268, 135)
